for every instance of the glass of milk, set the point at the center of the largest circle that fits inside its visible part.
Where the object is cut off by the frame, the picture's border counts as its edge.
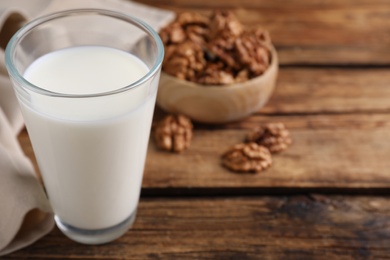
(86, 81)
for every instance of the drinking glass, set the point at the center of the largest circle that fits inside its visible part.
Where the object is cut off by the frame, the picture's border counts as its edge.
(90, 146)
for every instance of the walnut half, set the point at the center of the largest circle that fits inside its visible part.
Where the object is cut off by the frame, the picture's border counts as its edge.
(173, 133)
(247, 157)
(274, 136)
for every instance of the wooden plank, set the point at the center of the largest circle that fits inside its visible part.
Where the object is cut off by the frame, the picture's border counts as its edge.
(298, 227)
(311, 32)
(308, 90)
(333, 151)
(329, 151)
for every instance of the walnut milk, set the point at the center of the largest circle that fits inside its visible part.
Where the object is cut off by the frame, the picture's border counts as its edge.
(89, 177)
(88, 106)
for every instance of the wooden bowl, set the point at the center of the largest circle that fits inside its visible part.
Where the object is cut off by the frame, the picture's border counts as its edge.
(217, 104)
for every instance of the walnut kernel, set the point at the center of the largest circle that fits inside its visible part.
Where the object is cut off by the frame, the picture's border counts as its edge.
(274, 136)
(247, 157)
(173, 133)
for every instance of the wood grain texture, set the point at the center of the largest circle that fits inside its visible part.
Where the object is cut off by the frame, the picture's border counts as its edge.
(311, 90)
(311, 32)
(298, 227)
(343, 151)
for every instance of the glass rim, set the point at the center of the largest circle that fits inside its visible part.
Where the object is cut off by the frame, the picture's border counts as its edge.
(19, 35)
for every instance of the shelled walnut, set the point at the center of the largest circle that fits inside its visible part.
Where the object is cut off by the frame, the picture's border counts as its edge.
(184, 61)
(274, 136)
(214, 50)
(247, 157)
(173, 133)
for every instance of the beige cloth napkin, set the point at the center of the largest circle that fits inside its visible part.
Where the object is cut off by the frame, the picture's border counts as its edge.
(25, 213)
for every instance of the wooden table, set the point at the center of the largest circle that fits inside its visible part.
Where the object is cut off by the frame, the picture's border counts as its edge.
(326, 197)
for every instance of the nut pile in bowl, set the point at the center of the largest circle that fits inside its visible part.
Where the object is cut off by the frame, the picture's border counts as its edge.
(215, 70)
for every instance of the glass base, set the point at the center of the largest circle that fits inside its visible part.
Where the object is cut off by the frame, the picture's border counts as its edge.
(98, 236)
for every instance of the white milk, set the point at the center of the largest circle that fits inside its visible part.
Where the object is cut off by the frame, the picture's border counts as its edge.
(90, 151)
